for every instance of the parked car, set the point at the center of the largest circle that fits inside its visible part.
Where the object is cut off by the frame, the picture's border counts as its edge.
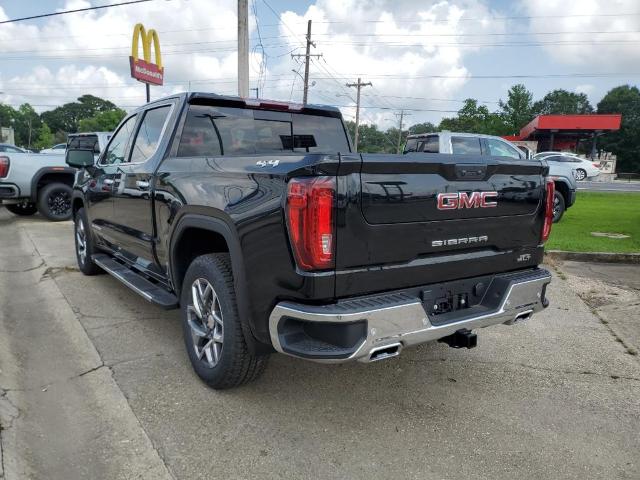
(8, 148)
(258, 221)
(564, 178)
(458, 143)
(58, 149)
(35, 182)
(584, 168)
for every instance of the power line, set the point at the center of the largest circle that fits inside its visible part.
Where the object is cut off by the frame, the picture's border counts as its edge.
(64, 12)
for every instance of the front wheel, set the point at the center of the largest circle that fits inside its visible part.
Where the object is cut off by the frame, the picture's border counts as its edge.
(22, 209)
(84, 245)
(54, 201)
(581, 174)
(212, 333)
(558, 207)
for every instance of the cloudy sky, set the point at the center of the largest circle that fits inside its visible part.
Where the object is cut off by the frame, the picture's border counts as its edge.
(423, 56)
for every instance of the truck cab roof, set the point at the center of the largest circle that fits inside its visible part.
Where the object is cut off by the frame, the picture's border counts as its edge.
(252, 103)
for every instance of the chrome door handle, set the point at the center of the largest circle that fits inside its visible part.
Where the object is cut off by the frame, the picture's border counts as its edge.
(142, 185)
(107, 181)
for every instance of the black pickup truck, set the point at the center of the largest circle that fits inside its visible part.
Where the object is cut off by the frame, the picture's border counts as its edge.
(262, 225)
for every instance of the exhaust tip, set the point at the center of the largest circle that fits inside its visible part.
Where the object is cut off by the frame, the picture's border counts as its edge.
(382, 353)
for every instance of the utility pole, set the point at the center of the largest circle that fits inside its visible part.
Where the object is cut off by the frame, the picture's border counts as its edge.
(307, 56)
(243, 48)
(401, 115)
(358, 86)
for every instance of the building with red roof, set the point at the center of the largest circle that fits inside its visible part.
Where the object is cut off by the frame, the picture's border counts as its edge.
(565, 132)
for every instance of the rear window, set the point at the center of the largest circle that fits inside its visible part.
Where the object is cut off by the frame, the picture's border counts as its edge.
(465, 145)
(210, 131)
(85, 142)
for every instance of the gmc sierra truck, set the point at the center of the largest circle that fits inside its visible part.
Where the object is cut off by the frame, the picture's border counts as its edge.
(262, 225)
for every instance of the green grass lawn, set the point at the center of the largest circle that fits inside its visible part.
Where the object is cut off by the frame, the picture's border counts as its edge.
(599, 212)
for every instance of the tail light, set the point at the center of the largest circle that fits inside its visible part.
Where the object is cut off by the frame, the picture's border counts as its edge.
(4, 166)
(548, 210)
(310, 219)
(597, 165)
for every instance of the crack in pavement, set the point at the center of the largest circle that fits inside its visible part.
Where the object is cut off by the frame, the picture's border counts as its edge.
(41, 264)
(9, 413)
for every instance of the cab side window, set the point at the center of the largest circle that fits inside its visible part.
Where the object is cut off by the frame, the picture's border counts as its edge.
(465, 146)
(431, 144)
(149, 133)
(501, 149)
(117, 148)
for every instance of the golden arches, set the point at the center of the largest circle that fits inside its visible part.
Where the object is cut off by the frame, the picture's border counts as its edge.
(139, 32)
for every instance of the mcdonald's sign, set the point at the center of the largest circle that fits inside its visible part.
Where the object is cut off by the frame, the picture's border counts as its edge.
(141, 68)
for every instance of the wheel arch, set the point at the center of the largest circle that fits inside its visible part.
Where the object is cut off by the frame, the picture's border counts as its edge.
(220, 236)
(47, 175)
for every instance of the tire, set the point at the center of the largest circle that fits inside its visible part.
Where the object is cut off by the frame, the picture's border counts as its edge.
(216, 345)
(54, 201)
(558, 207)
(84, 244)
(23, 209)
(581, 174)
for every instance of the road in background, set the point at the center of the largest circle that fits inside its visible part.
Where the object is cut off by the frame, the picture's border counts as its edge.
(555, 397)
(617, 186)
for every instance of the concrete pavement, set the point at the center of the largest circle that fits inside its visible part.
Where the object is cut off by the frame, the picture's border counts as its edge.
(556, 397)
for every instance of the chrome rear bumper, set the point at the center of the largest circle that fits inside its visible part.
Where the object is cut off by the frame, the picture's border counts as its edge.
(375, 327)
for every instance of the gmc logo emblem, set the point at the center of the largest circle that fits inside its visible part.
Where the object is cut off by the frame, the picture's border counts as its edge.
(453, 201)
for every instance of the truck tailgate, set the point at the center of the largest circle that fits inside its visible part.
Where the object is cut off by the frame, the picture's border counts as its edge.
(395, 231)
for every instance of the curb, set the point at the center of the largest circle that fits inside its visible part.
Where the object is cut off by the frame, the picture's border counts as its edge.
(600, 257)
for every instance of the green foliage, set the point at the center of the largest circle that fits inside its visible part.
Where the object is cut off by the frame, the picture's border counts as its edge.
(67, 117)
(625, 143)
(599, 212)
(45, 138)
(105, 121)
(562, 102)
(474, 118)
(517, 111)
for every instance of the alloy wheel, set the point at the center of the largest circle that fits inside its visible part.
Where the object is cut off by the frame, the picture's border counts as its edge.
(581, 174)
(59, 203)
(204, 315)
(81, 240)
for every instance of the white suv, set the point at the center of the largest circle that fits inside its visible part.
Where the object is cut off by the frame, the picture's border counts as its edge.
(462, 144)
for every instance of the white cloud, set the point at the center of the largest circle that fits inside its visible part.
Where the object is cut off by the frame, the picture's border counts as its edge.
(372, 38)
(586, 88)
(586, 43)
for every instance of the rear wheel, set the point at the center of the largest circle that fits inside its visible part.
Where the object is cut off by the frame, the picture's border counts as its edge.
(558, 207)
(581, 174)
(211, 326)
(22, 209)
(54, 201)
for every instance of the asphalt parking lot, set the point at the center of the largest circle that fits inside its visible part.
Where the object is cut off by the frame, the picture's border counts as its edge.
(95, 383)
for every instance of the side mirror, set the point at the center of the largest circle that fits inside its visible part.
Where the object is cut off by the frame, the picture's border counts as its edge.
(79, 158)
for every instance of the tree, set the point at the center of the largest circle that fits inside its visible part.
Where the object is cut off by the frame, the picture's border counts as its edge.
(625, 143)
(105, 121)
(45, 138)
(425, 127)
(563, 102)
(517, 111)
(67, 117)
(474, 118)
(370, 139)
(26, 124)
